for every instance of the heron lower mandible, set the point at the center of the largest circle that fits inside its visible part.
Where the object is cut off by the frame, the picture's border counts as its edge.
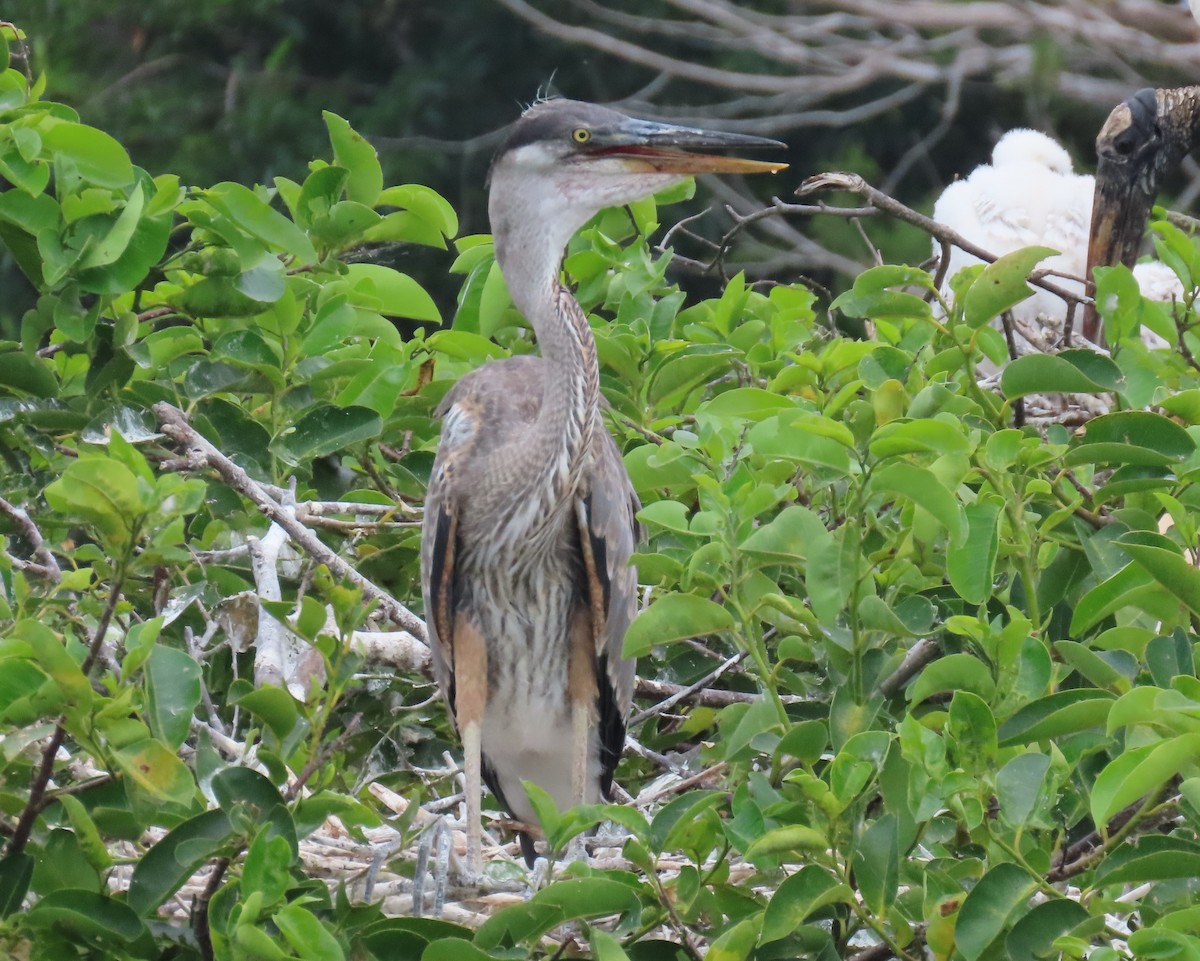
(529, 518)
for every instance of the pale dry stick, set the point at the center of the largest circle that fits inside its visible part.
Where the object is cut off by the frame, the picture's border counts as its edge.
(220, 556)
(321, 508)
(202, 453)
(638, 748)
(683, 785)
(46, 566)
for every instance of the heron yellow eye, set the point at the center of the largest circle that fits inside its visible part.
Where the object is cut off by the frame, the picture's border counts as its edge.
(581, 135)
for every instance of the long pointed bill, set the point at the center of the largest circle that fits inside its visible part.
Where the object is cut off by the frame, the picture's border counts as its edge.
(1125, 189)
(666, 148)
(1120, 210)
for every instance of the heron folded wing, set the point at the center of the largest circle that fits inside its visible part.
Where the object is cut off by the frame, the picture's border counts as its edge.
(438, 543)
(608, 532)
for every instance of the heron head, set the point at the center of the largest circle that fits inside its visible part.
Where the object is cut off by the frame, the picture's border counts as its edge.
(565, 159)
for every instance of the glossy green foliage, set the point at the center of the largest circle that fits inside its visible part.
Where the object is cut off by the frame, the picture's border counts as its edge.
(959, 711)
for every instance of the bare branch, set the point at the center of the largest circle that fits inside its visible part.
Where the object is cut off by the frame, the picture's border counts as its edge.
(853, 183)
(47, 566)
(201, 453)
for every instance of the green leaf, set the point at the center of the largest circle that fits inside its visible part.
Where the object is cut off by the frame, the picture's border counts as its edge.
(1092, 666)
(102, 492)
(1139, 772)
(681, 810)
(91, 844)
(917, 436)
(923, 488)
(307, 936)
(392, 293)
(1065, 712)
(1159, 942)
(1152, 858)
(1123, 589)
(877, 863)
(736, 943)
(563, 901)
(157, 770)
(454, 949)
(172, 693)
(685, 370)
(1167, 566)
(749, 403)
(107, 250)
(673, 617)
(273, 705)
(1069, 371)
(606, 947)
(1132, 437)
(352, 151)
(871, 296)
(259, 219)
(786, 840)
(798, 898)
(787, 536)
(954, 672)
(1032, 937)
(325, 430)
(162, 870)
(1001, 285)
(986, 912)
(669, 515)
(27, 374)
(99, 158)
(971, 566)
(92, 918)
(16, 871)
(425, 203)
(1021, 786)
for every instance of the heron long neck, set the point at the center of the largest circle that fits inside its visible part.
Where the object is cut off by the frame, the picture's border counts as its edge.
(530, 256)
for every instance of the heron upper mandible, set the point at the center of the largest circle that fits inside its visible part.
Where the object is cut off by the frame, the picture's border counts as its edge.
(1142, 142)
(529, 518)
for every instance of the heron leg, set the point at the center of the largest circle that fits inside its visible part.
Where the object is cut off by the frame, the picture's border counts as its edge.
(472, 739)
(582, 698)
(471, 683)
(581, 723)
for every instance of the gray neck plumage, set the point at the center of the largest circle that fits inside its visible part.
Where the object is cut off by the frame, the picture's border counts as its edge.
(546, 471)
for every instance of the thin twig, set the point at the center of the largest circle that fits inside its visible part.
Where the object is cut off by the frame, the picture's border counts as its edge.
(920, 654)
(41, 781)
(645, 687)
(200, 910)
(672, 700)
(48, 566)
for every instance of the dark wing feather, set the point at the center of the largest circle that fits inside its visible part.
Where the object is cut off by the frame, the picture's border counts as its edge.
(608, 511)
(438, 543)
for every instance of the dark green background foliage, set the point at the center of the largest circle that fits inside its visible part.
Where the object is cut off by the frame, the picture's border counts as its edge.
(821, 507)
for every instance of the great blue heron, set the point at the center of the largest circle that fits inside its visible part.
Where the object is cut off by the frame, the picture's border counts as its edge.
(1142, 142)
(529, 518)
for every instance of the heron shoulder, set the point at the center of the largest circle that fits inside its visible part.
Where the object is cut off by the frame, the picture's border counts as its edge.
(492, 403)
